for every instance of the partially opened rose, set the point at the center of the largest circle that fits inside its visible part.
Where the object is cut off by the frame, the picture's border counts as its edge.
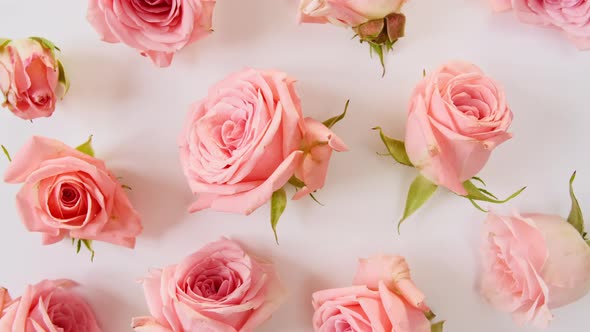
(49, 306)
(379, 23)
(32, 79)
(457, 116)
(219, 288)
(570, 16)
(68, 192)
(383, 298)
(156, 28)
(533, 263)
(248, 138)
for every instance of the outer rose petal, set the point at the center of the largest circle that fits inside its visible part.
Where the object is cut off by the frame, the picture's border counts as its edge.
(4, 299)
(148, 324)
(501, 5)
(160, 59)
(404, 317)
(582, 43)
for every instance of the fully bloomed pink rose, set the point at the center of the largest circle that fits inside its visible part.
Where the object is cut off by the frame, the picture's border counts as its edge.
(49, 306)
(156, 28)
(30, 77)
(383, 298)
(346, 12)
(457, 116)
(531, 264)
(570, 16)
(70, 193)
(248, 138)
(220, 288)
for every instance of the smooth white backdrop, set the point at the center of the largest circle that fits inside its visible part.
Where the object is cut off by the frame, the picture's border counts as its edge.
(135, 112)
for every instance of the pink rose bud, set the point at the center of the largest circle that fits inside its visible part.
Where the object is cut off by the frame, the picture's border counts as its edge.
(383, 298)
(32, 79)
(68, 192)
(346, 12)
(457, 117)
(156, 28)
(218, 288)
(572, 17)
(532, 264)
(48, 306)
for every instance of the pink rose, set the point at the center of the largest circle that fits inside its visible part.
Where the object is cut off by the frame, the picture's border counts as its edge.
(572, 17)
(346, 12)
(531, 264)
(248, 138)
(219, 288)
(383, 299)
(457, 116)
(49, 306)
(31, 77)
(70, 193)
(156, 28)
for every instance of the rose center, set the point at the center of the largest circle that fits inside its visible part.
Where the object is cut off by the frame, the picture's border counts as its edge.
(69, 196)
(232, 134)
(342, 325)
(164, 13)
(41, 99)
(471, 104)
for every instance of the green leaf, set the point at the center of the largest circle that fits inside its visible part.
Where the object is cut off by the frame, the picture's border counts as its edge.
(296, 182)
(88, 245)
(6, 153)
(420, 191)
(396, 148)
(86, 147)
(4, 42)
(334, 120)
(575, 217)
(438, 327)
(477, 194)
(46, 43)
(63, 79)
(278, 203)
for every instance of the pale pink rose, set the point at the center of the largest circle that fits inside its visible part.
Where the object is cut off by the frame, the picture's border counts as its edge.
(69, 193)
(346, 12)
(383, 299)
(457, 116)
(49, 306)
(570, 16)
(156, 28)
(531, 264)
(30, 78)
(248, 138)
(219, 288)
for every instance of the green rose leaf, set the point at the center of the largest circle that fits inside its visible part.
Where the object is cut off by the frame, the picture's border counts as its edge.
(62, 78)
(575, 217)
(46, 43)
(278, 203)
(438, 327)
(6, 153)
(87, 147)
(334, 120)
(396, 148)
(420, 191)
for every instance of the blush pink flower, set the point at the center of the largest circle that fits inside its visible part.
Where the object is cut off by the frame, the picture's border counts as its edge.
(248, 138)
(532, 264)
(49, 306)
(346, 12)
(219, 288)
(570, 16)
(383, 298)
(32, 79)
(156, 28)
(67, 192)
(457, 116)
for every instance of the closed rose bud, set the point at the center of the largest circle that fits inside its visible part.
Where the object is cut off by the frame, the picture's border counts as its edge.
(32, 79)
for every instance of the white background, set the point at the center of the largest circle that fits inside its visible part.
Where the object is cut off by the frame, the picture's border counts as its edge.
(136, 110)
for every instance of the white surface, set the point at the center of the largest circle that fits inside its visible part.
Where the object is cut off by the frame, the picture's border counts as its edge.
(136, 110)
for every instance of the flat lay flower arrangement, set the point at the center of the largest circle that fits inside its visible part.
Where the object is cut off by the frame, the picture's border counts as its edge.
(305, 165)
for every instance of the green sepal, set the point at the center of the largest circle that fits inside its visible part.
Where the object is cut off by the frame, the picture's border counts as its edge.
(88, 245)
(430, 315)
(278, 203)
(478, 194)
(378, 49)
(6, 153)
(315, 199)
(420, 191)
(334, 120)
(78, 246)
(124, 186)
(396, 148)
(45, 43)
(86, 147)
(296, 182)
(4, 42)
(437, 327)
(63, 79)
(575, 217)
